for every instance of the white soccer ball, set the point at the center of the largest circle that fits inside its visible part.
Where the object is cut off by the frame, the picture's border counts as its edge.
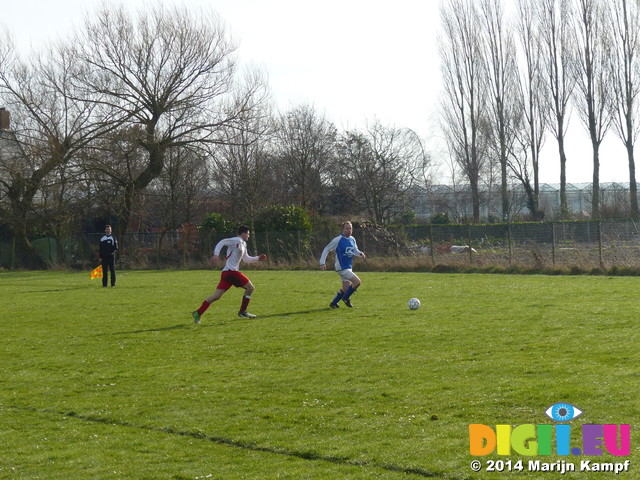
(414, 303)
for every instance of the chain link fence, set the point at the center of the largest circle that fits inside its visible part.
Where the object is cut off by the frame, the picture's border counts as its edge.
(583, 245)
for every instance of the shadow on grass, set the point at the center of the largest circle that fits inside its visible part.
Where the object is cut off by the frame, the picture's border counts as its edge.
(304, 455)
(286, 314)
(161, 329)
(60, 289)
(191, 324)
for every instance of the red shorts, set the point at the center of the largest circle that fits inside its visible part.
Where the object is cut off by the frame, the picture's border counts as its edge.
(231, 278)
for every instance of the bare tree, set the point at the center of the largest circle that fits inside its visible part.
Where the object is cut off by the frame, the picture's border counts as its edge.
(501, 68)
(171, 71)
(113, 164)
(624, 71)
(179, 192)
(60, 206)
(592, 53)
(464, 102)
(52, 127)
(378, 169)
(242, 168)
(554, 24)
(305, 148)
(534, 99)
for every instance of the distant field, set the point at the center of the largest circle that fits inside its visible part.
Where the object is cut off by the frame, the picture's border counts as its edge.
(102, 383)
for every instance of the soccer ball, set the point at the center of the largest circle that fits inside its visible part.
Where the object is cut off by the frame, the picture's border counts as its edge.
(414, 304)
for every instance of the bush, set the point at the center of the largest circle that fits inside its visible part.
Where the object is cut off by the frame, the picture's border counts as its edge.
(283, 219)
(440, 219)
(285, 230)
(407, 218)
(216, 223)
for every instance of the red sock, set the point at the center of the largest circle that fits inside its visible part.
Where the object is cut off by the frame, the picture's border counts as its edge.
(203, 307)
(245, 303)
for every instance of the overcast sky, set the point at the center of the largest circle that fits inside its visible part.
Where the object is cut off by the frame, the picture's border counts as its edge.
(354, 60)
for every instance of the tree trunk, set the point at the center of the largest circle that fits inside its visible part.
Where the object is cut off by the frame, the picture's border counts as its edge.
(504, 191)
(633, 186)
(26, 255)
(595, 197)
(564, 206)
(475, 197)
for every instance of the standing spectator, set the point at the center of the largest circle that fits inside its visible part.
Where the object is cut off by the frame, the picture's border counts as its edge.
(108, 249)
(231, 275)
(346, 248)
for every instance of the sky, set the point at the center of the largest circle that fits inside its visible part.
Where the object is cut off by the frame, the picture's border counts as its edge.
(355, 61)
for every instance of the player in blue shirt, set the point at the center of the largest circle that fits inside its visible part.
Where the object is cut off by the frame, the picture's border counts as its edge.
(346, 248)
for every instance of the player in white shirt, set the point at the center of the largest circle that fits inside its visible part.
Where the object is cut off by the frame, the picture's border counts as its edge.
(231, 275)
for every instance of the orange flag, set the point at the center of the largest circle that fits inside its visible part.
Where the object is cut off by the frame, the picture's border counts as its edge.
(96, 272)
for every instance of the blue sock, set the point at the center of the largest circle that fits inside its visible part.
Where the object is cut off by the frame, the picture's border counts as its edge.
(350, 291)
(338, 297)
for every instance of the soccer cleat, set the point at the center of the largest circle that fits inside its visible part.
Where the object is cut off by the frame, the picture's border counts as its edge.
(245, 314)
(334, 305)
(347, 302)
(196, 316)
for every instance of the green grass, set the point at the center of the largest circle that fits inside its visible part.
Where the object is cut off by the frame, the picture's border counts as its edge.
(101, 383)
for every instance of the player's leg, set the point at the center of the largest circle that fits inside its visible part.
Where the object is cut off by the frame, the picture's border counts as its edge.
(222, 287)
(350, 290)
(206, 303)
(105, 272)
(345, 276)
(246, 298)
(112, 269)
(215, 296)
(338, 297)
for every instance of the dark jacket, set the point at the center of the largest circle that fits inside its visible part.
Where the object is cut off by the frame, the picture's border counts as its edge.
(108, 246)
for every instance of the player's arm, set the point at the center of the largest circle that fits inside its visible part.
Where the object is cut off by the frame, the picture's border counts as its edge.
(330, 246)
(226, 242)
(249, 259)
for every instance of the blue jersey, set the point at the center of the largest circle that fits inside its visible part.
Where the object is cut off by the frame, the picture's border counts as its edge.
(345, 248)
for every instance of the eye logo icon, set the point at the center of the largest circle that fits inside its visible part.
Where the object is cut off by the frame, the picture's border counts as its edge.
(563, 412)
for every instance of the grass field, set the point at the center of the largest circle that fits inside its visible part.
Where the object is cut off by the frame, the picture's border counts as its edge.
(102, 383)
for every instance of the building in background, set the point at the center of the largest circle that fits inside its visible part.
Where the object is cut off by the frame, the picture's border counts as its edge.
(456, 202)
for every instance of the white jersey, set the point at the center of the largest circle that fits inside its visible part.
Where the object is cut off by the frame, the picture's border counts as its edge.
(236, 251)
